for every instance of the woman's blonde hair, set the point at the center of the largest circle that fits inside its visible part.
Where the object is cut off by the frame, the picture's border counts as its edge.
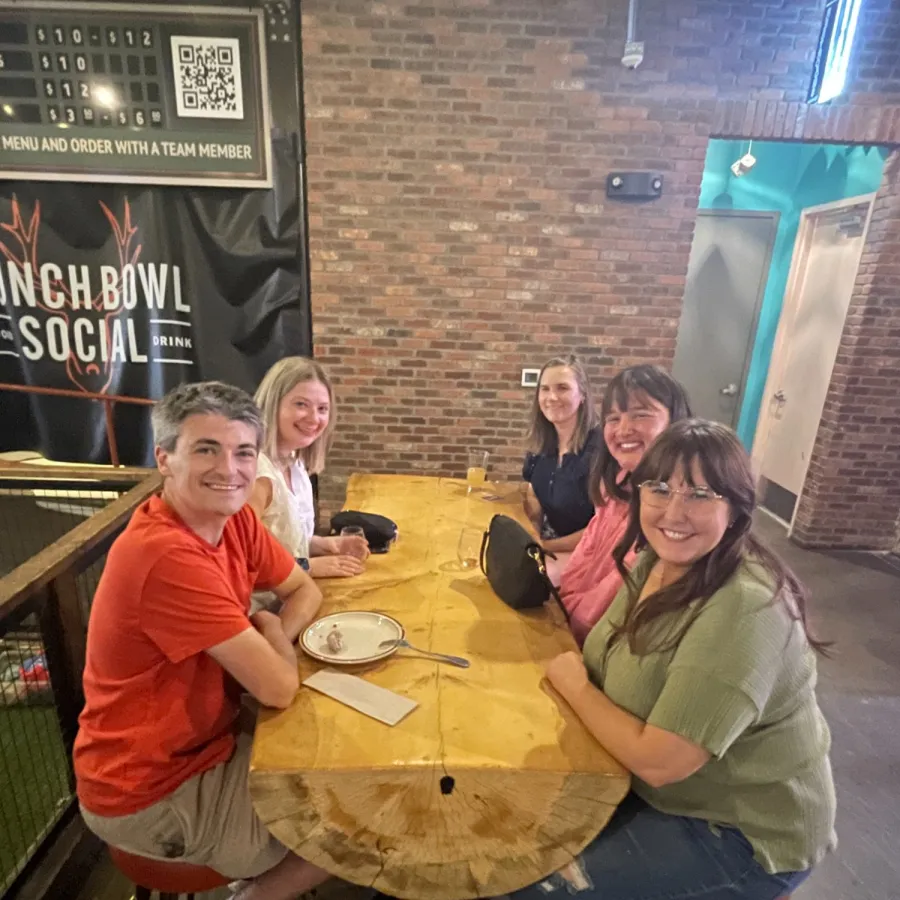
(278, 382)
(542, 434)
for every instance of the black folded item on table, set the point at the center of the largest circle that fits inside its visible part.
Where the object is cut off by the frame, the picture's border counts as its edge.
(380, 531)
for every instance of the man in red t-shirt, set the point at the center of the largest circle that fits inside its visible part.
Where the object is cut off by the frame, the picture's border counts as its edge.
(161, 768)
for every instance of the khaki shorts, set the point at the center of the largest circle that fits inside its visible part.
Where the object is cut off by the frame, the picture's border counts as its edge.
(208, 821)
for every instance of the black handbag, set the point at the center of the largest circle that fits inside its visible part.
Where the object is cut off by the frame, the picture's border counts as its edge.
(380, 531)
(514, 564)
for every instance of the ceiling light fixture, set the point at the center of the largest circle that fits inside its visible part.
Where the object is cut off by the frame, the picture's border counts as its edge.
(743, 165)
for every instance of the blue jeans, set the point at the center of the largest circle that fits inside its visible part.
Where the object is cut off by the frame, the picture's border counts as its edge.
(644, 854)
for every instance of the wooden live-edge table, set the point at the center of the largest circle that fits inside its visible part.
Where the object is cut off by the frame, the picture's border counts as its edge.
(491, 783)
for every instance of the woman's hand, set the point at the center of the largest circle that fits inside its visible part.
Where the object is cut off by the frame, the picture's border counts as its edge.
(656, 756)
(335, 566)
(326, 546)
(353, 545)
(567, 674)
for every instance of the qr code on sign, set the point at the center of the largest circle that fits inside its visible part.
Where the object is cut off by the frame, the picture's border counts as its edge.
(207, 78)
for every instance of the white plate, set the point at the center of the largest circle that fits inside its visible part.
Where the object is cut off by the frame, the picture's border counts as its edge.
(362, 634)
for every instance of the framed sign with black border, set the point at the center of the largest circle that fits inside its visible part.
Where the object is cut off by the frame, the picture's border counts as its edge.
(145, 94)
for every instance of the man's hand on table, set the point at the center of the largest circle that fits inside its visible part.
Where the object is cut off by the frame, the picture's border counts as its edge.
(265, 621)
(262, 660)
(301, 598)
(271, 628)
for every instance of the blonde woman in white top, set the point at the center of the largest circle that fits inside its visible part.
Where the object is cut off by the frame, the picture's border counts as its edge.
(297, 403)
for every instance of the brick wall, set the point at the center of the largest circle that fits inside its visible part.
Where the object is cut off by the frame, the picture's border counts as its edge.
(459, 230)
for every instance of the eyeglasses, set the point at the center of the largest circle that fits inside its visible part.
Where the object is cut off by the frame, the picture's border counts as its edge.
(658, 494)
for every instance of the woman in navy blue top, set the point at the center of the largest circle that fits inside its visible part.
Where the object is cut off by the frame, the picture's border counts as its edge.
(564, 439)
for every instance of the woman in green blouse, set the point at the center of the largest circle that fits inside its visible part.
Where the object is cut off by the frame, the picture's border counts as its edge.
(700, 679)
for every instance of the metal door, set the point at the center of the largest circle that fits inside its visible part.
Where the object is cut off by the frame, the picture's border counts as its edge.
(726, 280)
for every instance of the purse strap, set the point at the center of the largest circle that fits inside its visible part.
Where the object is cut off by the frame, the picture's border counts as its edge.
(538, 554)
(484, 543)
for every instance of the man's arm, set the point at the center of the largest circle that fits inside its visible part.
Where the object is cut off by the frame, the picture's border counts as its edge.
(298, 591)
(302, 599)
(262, 660)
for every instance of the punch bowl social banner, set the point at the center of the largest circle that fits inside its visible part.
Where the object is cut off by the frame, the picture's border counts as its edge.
(129, 290)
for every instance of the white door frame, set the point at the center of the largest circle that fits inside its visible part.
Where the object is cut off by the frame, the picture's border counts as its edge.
(792, 293)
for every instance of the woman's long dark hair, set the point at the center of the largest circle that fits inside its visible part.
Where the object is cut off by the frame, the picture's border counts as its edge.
(726, 469)
(650, 381)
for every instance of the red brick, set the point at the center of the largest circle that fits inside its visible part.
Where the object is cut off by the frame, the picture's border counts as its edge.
(423, 118)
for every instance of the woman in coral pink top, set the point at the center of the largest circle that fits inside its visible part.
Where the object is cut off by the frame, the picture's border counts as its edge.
(639, 404)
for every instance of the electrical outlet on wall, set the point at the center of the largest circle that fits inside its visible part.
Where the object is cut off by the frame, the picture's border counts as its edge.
(530, 377)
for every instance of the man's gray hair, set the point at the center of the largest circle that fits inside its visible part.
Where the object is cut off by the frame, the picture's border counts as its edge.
(202, 398)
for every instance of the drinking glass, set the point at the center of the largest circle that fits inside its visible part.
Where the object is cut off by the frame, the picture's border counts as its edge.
(477, 471)
(354, 531)
(469, 548)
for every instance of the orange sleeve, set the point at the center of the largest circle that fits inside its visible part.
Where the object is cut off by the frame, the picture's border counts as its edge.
(267, 555)
(186, 606)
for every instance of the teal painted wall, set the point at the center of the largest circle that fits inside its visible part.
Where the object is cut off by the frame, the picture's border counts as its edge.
(788, 177)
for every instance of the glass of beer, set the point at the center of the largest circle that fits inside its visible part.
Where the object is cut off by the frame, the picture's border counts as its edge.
(477, 471)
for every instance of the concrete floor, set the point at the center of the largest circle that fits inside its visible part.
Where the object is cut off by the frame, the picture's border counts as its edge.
(858, 607)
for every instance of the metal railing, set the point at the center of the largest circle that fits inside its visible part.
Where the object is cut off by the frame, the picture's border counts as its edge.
(45, 597)
(109, 402)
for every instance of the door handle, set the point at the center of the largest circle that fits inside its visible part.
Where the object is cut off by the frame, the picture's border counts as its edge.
(729, 390)
(779, 396)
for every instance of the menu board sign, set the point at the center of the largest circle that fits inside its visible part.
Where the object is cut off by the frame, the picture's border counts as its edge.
(137, 94)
